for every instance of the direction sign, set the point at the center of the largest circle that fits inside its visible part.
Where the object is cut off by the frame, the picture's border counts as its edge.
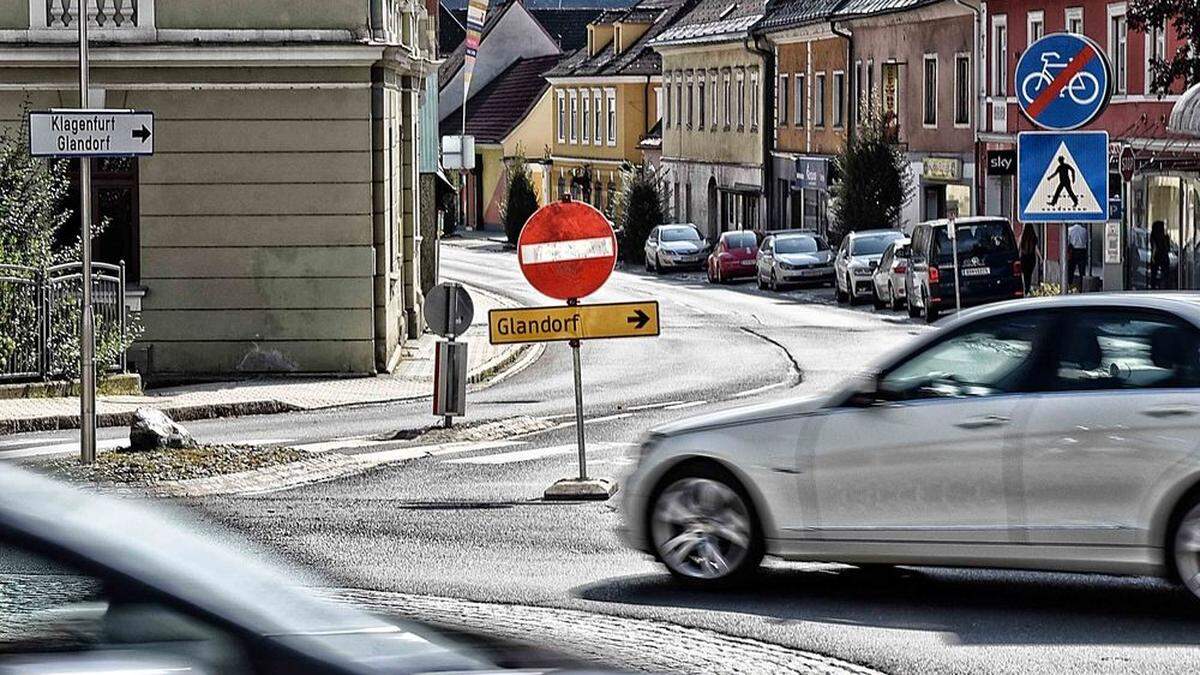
(449, 310)
(1062, 177)
(1063, 81)
(579, 322)
(567, 250)
(91, 133)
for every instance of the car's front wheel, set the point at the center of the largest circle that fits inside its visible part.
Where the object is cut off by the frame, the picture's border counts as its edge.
(704, 529)
(1185, 547)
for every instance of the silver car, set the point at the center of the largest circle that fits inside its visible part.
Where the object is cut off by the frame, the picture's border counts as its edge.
(675, 247)
(856, 260)
(1050, 434)
(794, 258)
(890, 274)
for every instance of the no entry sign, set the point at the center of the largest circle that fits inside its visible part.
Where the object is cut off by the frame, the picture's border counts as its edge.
(567, 250)
(1063, 81)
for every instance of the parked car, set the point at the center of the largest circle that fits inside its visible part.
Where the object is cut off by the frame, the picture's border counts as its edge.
(988, 260)
(95, 584)
(733, 256)
(794, 258)
(675, 247)
(1051, 434)
(889, 275)
(856, 260)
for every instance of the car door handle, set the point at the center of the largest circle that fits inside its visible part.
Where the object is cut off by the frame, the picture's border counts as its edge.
(1171, 411)
(983, 422)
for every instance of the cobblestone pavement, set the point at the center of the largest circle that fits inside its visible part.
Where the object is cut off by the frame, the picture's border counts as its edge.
(644, 645)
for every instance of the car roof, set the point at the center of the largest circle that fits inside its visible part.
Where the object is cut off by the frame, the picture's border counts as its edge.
(1183, 303)
(875, 233)
(970, 220)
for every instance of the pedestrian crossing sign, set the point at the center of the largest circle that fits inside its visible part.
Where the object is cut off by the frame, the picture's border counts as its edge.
(1062, 176)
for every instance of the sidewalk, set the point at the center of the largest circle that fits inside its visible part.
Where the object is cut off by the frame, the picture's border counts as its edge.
(413, 379)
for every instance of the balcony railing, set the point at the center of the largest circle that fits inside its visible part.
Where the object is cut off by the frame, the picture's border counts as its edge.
(100, 13)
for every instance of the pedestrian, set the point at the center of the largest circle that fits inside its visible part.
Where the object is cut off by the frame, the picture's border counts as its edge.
(1160, 255)
(1077, 242)
(1065, 175)
(1030, 254)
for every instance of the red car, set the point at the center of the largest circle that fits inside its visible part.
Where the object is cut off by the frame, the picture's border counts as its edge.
(734, 257)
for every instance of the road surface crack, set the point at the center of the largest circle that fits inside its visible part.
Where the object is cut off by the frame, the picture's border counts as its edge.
(796, 369)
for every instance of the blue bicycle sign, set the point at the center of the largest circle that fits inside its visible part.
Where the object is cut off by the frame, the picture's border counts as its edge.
(1063, 81)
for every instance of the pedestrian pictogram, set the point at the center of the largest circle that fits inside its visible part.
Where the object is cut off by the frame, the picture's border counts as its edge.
(1063, 81)
(1063, 177)
(567, 250)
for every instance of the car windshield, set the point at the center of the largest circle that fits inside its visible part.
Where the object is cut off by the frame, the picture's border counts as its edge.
(978, 240)
(680, 234)
(802, 244)
(872, 245)
(741, 240)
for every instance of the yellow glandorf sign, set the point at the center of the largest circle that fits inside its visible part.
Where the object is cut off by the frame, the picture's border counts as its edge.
(578, 322)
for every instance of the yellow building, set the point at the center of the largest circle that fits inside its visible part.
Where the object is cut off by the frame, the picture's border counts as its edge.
(606, 97)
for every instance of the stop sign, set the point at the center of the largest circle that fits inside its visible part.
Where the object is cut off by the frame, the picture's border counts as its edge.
(567, 250)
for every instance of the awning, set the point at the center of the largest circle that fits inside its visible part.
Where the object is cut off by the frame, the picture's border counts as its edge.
(1185, 117)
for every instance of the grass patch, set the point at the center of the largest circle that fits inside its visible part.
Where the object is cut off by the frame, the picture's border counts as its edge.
(171, 465)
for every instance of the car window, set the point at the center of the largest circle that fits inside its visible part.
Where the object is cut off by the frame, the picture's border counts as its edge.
(886, 260)
(993, 356)
(1116, 349)
(904, 253)
(741, 240)
(804, 244)
(978, 240)
(871, 244)
(680, 234)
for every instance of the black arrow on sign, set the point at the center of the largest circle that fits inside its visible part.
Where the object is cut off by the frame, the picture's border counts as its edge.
(143, 133)
(640, 318)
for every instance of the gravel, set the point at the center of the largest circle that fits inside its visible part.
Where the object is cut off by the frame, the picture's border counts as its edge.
(118, 467)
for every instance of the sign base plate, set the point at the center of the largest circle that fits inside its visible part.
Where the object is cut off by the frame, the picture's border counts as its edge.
(581, 489)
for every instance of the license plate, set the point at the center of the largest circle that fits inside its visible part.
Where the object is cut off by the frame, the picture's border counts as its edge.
(976, 271)
(809, 273)
(747, 263)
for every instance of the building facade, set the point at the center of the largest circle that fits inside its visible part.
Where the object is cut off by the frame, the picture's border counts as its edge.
(275, 228)
(715, 128)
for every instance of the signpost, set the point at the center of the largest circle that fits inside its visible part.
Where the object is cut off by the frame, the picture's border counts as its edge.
(449, 311)
(1063, 177)
(567, 250)
(1063, 81)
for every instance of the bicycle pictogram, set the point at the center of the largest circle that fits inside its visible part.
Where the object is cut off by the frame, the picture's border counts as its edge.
(1083, 87)
(1062, 81)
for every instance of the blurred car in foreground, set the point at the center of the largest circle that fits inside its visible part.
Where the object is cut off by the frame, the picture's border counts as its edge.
(856, 260)
(1049, 434)
(89, 584)
(989, 266)
(675, 247)
(794, 258)
(889, 275)
(733, 257)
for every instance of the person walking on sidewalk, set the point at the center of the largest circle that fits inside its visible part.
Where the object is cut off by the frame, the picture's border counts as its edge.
(1160, 255)
(1030, 254)
(1077, 262)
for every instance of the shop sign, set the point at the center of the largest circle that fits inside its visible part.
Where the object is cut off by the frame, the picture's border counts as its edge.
(812, 173)
(1002, 162)
(943, 168)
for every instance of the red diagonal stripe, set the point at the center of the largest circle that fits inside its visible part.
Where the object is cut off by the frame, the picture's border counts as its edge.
(1050, 93)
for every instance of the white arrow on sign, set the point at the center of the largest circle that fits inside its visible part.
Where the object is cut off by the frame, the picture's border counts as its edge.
(91, 133)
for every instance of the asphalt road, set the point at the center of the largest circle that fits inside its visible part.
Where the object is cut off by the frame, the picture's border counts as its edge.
(470, 527)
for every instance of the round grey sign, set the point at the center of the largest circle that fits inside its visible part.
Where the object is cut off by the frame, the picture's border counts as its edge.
(449, 309)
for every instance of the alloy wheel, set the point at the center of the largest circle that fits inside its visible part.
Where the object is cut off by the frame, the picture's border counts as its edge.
(701, 529)
(1187, 550)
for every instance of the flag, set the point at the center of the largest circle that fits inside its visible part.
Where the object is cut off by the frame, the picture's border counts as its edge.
(476, 12)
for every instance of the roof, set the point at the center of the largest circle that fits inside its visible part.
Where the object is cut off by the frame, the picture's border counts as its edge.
(714, 21)
(1185, 116)
(454, 61)
(494, 111)
(653, 138)
(867, 7)
(639, 58)
(788, 13)
(567, 25)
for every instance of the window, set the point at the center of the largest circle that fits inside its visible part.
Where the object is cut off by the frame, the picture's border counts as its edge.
(611, 96)
(801, 99)
(1000, 55)
(668, 118)
(930, 95)
(714, 88)
(1118, 48)
(1074, 20)
(871, 86)
(741, 99)
(754, 98)
(1156, 49)
(1035, 26)
(658, 103)
(728, 99)
(819, 101)
(990, 357)
(678, 98)
(859, 104)
(690, 99)
(574, 116)
(839, 99)
(701, 85)
(782, 97)
(1113, 349)
(962, 89)
(587, 117)
(598, 119)
(562, 116)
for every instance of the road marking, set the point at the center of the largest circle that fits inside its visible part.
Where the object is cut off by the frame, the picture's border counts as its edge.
(608, 418)
(573, 249)
(340, 444)
(26, 442)
(530, 454)
(759, 390)
(63, 448)
(649, 406)
(682, 406)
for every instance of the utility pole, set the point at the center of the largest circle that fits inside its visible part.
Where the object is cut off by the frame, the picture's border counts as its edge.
(87, 329)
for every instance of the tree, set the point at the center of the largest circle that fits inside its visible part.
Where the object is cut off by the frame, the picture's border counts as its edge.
(872, 180)
(642, 204)
(1184, 64)
(521, 201)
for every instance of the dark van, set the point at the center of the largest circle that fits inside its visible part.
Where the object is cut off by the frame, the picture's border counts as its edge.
(989, 265)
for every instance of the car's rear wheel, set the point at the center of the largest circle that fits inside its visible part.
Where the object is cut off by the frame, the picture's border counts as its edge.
(897, 303)
(1185, 547)
(931, 312)
(876, 300)
(704, 529)
(711, 279)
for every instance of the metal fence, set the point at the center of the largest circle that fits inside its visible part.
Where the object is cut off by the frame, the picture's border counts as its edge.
(39, 319)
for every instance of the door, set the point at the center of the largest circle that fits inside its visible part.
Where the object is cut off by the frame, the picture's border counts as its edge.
(1120, 411)
(766, 258)
(931, 459)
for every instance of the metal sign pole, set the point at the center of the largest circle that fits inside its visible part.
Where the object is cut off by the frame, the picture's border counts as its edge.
(452, 376)
(578, 402)
(87, 347)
